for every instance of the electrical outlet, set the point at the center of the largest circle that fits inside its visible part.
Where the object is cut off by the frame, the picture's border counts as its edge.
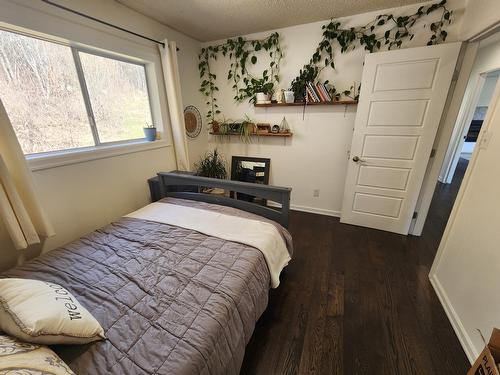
(316, 193)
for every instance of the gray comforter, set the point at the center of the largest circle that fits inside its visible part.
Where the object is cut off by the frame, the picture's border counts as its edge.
(170, 300)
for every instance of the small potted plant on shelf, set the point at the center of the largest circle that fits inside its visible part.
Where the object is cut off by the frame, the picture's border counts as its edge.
(263, 90)
(219, 127)
(298, 86)
(247, 128)
(214, 126)
(150, 132)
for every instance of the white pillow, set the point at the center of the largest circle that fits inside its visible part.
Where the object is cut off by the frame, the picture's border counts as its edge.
(18, 357)
(45, 313)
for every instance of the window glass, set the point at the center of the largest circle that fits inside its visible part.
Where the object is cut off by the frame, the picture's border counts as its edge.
(119, 97)
(40, 90)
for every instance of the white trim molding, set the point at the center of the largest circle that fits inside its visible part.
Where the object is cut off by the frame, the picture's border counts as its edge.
(455, 321)
(55, 159)
(315, 210)
(311, 210)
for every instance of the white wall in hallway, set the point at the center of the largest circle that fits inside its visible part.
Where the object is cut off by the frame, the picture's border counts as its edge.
(466, 271)
(488, 89)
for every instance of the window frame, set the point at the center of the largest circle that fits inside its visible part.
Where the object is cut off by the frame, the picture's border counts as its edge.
(55, 158)
(75, 51)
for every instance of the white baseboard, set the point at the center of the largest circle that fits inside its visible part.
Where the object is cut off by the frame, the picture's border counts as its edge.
(455, 321)
(314, 210)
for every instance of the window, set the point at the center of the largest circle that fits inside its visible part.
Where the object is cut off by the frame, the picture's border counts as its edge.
(119, 98)
(60, 97)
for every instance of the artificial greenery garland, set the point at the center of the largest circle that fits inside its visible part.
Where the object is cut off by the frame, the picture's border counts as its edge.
(369, 36)
(241, 53)
(385, 30)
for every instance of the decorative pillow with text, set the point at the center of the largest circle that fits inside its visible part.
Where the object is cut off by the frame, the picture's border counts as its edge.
(45, 313)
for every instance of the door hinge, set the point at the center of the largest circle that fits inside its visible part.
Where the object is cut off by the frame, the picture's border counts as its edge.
(456, 74)
(415, 214)
(433, 153)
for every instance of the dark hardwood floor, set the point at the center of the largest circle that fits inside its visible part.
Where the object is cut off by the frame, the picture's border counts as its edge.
(358, 301)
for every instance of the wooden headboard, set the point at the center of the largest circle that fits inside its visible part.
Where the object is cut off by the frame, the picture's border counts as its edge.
(169, 183)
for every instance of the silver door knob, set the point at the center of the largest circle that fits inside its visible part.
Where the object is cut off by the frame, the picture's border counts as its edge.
(356, 159)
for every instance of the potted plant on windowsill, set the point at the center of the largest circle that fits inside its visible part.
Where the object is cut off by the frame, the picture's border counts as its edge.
(150, 132)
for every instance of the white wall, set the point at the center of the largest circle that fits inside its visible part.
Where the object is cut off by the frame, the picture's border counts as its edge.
(487, 91)
(316, 156)
(82, 197)
(466, 270)
(479, 16)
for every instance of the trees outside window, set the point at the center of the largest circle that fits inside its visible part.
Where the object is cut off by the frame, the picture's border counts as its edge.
(59, 97)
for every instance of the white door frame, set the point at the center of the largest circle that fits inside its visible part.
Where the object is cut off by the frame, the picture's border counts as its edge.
(446, 130)
(462, 127)
(447, 124)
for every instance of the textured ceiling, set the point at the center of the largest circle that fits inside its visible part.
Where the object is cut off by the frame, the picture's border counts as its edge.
(208, 20)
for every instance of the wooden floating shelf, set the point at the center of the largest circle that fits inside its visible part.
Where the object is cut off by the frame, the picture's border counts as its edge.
(256, 134)
(338, 102)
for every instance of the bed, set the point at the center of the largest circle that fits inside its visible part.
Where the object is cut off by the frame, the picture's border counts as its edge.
(172, 300)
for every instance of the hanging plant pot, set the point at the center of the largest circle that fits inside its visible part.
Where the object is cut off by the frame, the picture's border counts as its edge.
(150, 134)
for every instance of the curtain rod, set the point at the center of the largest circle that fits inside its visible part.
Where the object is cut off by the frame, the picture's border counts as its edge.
(103, 22)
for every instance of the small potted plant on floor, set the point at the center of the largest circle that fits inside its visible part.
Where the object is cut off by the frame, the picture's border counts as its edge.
(212, 165)
(150, 132)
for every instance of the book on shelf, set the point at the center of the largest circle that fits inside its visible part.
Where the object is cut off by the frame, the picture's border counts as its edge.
(314, 94)
(327, 94)
(309, 96)
(318, 93)
(321, 92)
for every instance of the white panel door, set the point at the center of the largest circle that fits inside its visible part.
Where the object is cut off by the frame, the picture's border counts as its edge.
(403, 94)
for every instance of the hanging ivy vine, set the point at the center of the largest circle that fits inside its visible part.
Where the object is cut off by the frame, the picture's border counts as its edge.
(385, 30)
(242, 53)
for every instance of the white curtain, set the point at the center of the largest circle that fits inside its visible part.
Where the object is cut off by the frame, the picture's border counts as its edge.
(20, 210)
(170, 67)
(174, 96)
